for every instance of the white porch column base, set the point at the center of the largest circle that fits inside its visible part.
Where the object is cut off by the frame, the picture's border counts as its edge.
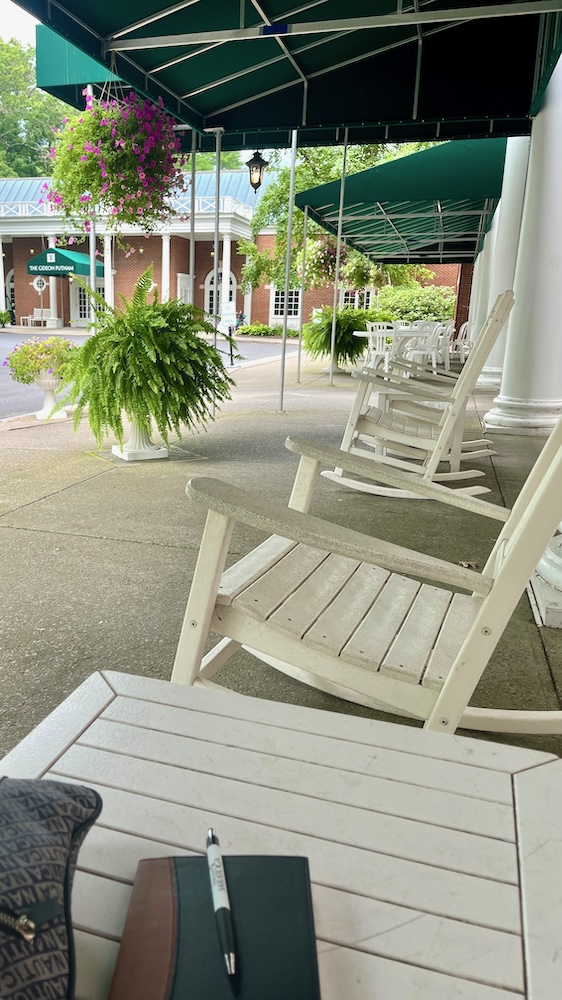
(490, 378)
(546, 585)
(523, 416)
(139, 447)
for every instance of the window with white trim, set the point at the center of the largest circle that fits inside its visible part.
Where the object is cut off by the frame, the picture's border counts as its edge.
(358, 299)
(293, 302)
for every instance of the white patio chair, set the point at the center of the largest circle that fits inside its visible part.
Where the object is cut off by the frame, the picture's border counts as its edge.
(381, 344)
(420, 435)
(372, 622)
(460, 345)
(423, 348)
(446, 336)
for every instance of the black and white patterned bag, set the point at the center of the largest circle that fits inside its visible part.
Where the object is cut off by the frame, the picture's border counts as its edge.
(42, 825)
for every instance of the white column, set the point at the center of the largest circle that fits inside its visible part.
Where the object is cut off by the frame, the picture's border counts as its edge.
(54, 319)
(2, 278)
(108, 284)
(247, 307)
(478, 309)
(165, 290)
(474, 293)
(509, 214)
(225, 286)
(530, 399)
(53, 304)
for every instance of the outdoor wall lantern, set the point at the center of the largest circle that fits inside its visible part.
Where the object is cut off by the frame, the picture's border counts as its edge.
(256, 166)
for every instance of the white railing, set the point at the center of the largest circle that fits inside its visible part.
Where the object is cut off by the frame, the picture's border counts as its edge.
(182, 205)
(24, 209)
(206, 206)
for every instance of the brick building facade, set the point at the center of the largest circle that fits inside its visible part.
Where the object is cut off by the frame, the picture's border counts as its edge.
(27, 229)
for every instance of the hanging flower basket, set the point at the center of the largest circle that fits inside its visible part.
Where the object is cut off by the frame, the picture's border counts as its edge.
(118, 158)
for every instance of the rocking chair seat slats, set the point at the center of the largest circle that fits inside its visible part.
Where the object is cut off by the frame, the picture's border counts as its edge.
(360, 613)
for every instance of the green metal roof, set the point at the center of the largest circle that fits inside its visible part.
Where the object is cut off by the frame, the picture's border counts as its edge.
(61, 262)
(434, 206)
(390, 72)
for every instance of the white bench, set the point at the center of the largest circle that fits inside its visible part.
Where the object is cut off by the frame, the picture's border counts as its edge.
(39, 317)
(435, 860)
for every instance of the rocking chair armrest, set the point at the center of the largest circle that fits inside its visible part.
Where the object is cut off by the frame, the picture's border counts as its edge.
(424, 372)
(274, 518)
(415, 387)
(370, 469)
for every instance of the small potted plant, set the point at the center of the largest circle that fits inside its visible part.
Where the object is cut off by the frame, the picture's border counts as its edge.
(44, 362)
(147, 361)
(5, 316)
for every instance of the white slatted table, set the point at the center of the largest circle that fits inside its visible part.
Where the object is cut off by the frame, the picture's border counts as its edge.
(436, 860)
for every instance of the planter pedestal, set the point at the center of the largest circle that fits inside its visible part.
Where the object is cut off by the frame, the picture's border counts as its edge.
(139, 447)
(49, 384)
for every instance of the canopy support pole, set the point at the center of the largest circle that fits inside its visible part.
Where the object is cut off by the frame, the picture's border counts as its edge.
(338, 250)
(218, 137)
(303, 282)
(92, 234)
(288, 265)
(192, 220)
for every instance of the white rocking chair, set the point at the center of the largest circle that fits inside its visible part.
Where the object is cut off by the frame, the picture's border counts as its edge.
(424, 423)
(347, 613)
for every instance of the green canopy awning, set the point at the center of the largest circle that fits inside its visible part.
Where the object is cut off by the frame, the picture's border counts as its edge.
(64, 71)
(57, 263)
(434, 206)
(389, 72)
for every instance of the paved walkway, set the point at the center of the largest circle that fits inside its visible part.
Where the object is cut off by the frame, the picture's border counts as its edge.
(97, 554)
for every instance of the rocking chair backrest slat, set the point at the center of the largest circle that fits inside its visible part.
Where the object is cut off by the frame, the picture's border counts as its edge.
(533, 488)
(516, 554)
(467, 379)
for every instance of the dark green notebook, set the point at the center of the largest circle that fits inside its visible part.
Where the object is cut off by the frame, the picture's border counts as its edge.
(170, 948)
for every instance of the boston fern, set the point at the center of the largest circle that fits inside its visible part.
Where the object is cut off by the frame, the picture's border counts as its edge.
(317, 335)
(146, 360)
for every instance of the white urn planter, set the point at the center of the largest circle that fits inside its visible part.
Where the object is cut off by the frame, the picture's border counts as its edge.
(139, 447)
(49, 382)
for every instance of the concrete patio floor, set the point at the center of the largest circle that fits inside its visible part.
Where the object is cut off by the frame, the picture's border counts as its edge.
(97, 554)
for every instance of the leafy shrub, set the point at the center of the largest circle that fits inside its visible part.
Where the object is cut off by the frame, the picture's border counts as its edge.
(261, 330)
(432, 302)
(317, 335)
(256, 330)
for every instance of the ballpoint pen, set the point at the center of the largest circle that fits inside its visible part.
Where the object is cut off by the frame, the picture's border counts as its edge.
(221, 902)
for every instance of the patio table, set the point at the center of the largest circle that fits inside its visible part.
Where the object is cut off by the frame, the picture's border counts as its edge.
(436, 860)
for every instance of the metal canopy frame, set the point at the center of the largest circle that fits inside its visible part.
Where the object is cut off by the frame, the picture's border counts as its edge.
(432, 207)
(390, 70)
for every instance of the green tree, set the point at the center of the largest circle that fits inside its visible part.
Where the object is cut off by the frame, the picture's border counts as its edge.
(230, 160)
(27, 115)
(318, 165)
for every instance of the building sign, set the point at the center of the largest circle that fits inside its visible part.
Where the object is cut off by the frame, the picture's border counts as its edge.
(61, 262)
